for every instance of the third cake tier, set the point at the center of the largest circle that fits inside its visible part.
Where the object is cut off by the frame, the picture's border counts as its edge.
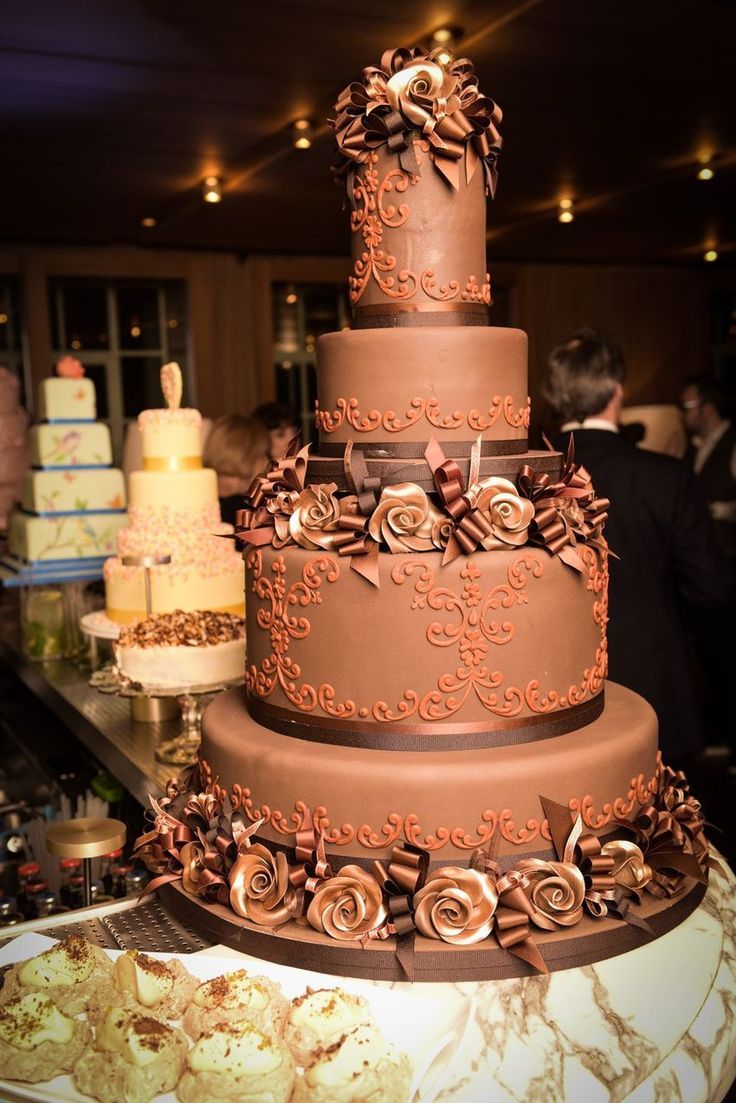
(493, 648)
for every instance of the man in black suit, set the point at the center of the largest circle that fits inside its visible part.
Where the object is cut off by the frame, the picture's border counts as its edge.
(659, 528)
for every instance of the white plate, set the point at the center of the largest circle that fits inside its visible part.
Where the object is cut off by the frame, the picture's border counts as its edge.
(430, 1030)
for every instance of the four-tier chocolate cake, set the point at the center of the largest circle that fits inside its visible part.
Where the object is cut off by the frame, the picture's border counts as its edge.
(425, 775)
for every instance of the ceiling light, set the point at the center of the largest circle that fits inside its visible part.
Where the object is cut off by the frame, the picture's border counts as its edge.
(3, 319)
(212, 189)
(443, 43)
(149, 222)
(710, 255)
(565, 210)
(302, 134)
(705, 172)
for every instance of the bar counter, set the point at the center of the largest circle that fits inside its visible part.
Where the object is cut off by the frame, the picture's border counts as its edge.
(101, 722)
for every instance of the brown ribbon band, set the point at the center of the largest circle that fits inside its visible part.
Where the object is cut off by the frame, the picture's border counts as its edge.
(414, 450)
(328, 470)
(432, 963)
(424, 737)
(420, 308)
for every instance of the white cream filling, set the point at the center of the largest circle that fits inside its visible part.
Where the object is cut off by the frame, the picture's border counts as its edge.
(29, 1020)
(362, 1049)
(238, 1051)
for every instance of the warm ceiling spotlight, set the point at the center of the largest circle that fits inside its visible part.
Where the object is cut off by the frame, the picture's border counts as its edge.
(212, 189)
(565, 211)
(291, 297)
(302, 134)
(443, 41)
(3, 319)
(149, 222)
(706, 170)
(710, 255)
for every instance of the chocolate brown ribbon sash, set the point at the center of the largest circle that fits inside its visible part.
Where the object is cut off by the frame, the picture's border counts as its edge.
(355, 541)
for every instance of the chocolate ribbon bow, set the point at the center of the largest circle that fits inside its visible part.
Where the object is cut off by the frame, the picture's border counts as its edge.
(264, 520)
(312, 868)
(566, 510)
(469, 526)
(176, 852)
(400, 881)
(412, 95)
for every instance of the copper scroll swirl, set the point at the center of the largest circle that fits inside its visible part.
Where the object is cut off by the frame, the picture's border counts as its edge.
(347, 411)
(476, 629)
(407, 826)
(371, 212)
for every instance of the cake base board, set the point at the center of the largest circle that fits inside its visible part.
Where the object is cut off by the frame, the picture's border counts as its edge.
(302, 947)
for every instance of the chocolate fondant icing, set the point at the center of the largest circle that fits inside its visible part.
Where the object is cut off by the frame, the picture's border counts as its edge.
(423, 759)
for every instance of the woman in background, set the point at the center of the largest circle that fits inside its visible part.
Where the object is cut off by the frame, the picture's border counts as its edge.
(237, 448)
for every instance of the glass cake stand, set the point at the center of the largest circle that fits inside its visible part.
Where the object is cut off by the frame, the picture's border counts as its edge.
(181, 751)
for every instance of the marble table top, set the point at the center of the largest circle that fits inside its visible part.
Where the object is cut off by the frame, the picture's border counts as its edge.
(655, 1025)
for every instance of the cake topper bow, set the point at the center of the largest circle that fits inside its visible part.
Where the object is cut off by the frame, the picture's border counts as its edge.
(171, 385)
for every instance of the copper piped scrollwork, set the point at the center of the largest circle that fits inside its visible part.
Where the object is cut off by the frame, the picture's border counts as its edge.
(372, 211)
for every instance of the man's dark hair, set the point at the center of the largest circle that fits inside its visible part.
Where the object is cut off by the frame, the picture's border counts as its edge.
(582, 374)
(274, 415)
(710, 391)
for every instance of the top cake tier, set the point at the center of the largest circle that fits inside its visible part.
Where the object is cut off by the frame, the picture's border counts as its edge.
(171, 439)
(418, 148)
(63, 400)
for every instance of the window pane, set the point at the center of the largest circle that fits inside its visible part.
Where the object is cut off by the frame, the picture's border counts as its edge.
(138, 318)
(141, 383)
(321, 311)
(287, 384)
(286, 318)
(176, 320)
(97, 374)
(85, 317)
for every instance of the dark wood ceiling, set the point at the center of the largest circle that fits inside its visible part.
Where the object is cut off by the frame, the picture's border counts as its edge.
(112, 110)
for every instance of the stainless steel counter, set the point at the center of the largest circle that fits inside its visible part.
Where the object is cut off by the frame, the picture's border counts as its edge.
(101, 722)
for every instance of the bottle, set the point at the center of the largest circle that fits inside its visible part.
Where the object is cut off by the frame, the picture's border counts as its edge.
(48, 903)
(34, 891)
(135, 881)
(108, 860)
(70, 867)
(9, 914)
(76, 891)
(119, 873)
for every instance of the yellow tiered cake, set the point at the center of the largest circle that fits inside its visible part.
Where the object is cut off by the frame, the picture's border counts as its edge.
(173, 512)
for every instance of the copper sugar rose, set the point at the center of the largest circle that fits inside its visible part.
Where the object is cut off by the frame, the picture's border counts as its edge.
(348, 906)
(456, 905)
(259, 881)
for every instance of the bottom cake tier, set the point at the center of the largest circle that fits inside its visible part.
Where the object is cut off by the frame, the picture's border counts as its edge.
(447, 802)
(430, 866)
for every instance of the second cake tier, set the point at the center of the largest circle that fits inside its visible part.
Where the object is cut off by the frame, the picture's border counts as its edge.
(393, 389)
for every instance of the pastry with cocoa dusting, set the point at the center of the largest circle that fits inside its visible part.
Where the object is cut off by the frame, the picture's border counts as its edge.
(161, 989)
(358, 1068)
(236, 998)
(237, 1064)
(133, 1059)
(74, 973)
(320, 1018)
(37, 1040)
